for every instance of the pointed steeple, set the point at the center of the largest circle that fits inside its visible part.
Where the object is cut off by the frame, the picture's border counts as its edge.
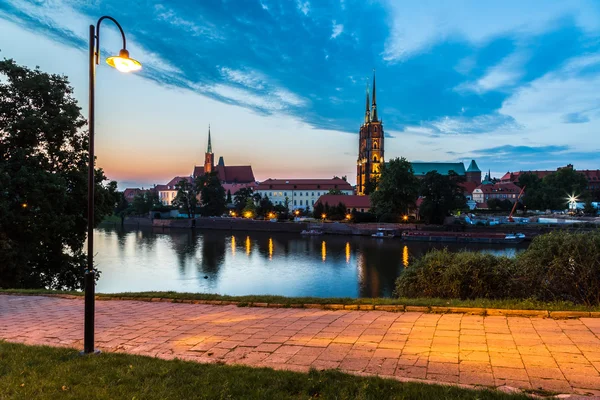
(374, 107)
(209, 150)
(367, 111)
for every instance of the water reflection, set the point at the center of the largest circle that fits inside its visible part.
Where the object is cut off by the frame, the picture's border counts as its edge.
(264, 263)
(405, 256)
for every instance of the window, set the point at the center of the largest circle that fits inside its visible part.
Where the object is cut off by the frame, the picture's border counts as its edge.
(307, 193)
(295, 202)
(318, 194)
(375, 145)
(313, 202)
(285, 193)
(313, 193)
(375, 159)
(271, 194)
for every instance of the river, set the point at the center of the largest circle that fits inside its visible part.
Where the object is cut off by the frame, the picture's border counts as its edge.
(242, 263)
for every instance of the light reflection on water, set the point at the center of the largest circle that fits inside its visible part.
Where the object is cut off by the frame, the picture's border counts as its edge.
(240, 263)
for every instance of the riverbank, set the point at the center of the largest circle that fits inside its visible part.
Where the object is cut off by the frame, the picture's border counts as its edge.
(513, 307)
(333, 228)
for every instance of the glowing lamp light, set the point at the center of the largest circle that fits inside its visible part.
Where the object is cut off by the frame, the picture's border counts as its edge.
(323, 216)
(123, 62)
(348, 216)
(405, 218)
(296, 212)
(248, 214)
(24, 205)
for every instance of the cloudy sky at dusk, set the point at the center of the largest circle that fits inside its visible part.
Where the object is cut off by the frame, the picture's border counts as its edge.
(512, 84)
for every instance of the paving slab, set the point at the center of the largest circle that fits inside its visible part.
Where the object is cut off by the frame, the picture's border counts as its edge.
(499, 350)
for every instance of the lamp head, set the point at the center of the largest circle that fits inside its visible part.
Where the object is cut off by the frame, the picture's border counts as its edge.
(123, 62)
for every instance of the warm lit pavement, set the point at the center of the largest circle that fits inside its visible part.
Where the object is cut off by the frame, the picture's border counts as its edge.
(556, 355)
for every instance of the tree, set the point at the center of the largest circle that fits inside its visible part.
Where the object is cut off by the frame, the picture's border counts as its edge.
(561, 184)
(249, 210)
(371, 186)
(553, 190)
(229, 200)
(493, 204)
(265, 206)
(240, 198)
(589, 209)
(143, 203)
(212, 194)
(335, 192)
(441, 195)
(43, 181)
(318, 211)
(186, 197)
(397, 189)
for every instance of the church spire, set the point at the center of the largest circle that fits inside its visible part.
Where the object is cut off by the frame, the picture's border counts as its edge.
(367, 112)
(374, 108)
(209, 150)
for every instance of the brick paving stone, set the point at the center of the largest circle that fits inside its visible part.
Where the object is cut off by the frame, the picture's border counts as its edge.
(555, 355)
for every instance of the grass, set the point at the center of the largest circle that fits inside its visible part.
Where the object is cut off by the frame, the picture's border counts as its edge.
(510, 304)
(35, 372)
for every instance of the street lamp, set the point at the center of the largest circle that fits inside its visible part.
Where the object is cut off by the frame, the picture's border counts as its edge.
(123, 63)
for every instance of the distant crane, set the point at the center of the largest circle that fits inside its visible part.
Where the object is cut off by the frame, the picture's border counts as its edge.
(510, 218)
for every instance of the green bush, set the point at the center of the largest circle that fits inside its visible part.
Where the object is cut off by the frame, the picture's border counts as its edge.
(463, 275)
(562, 266)
(559, 266)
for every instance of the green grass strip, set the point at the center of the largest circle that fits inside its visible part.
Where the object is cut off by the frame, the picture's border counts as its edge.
(508, 304)
(36, 372)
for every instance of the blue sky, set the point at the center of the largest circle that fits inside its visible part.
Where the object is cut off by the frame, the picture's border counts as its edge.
(511, 84)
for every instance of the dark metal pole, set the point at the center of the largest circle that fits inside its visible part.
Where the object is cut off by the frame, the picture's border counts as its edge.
(90, 273)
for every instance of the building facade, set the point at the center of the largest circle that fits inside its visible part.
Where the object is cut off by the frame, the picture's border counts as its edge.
(370, 147)
(233, 178)
(300, 193)
(483, 193)
(352, 202)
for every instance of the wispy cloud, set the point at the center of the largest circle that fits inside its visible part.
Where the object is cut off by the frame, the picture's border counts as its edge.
(337, 30)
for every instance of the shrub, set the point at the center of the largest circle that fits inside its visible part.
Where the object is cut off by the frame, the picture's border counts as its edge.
(559, 266)
(562, 266)
(463, 275)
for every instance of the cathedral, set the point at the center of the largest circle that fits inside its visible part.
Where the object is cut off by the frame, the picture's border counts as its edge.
(370, 147)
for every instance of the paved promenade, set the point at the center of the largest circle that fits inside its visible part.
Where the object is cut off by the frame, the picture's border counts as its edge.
(530, 353)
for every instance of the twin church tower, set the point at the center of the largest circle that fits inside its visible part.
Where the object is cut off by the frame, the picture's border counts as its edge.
(370, 147)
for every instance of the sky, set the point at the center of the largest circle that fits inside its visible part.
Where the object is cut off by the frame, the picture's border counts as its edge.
(511, 84)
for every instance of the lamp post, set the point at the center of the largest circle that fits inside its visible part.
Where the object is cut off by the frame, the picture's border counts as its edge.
(123, 63)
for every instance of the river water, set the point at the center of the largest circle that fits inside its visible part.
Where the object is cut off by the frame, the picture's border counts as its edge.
(243, 263)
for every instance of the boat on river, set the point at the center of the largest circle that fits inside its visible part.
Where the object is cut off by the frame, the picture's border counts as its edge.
(463, 237)
(383, 234)
(311, 232)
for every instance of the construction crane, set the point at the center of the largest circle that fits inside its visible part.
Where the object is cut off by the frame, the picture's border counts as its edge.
(510, 218)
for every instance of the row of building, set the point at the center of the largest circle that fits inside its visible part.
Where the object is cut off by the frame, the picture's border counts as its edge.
(306, 193)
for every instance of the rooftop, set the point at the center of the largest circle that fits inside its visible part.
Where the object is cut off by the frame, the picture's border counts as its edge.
(305, 184)
(443, 168)
(350, 201)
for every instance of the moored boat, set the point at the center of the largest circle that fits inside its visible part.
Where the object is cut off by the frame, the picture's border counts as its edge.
(463, 237)
(311, 232)
(383, 234)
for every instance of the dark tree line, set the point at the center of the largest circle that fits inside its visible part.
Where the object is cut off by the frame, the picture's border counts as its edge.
(398, 190)
(43, 181)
